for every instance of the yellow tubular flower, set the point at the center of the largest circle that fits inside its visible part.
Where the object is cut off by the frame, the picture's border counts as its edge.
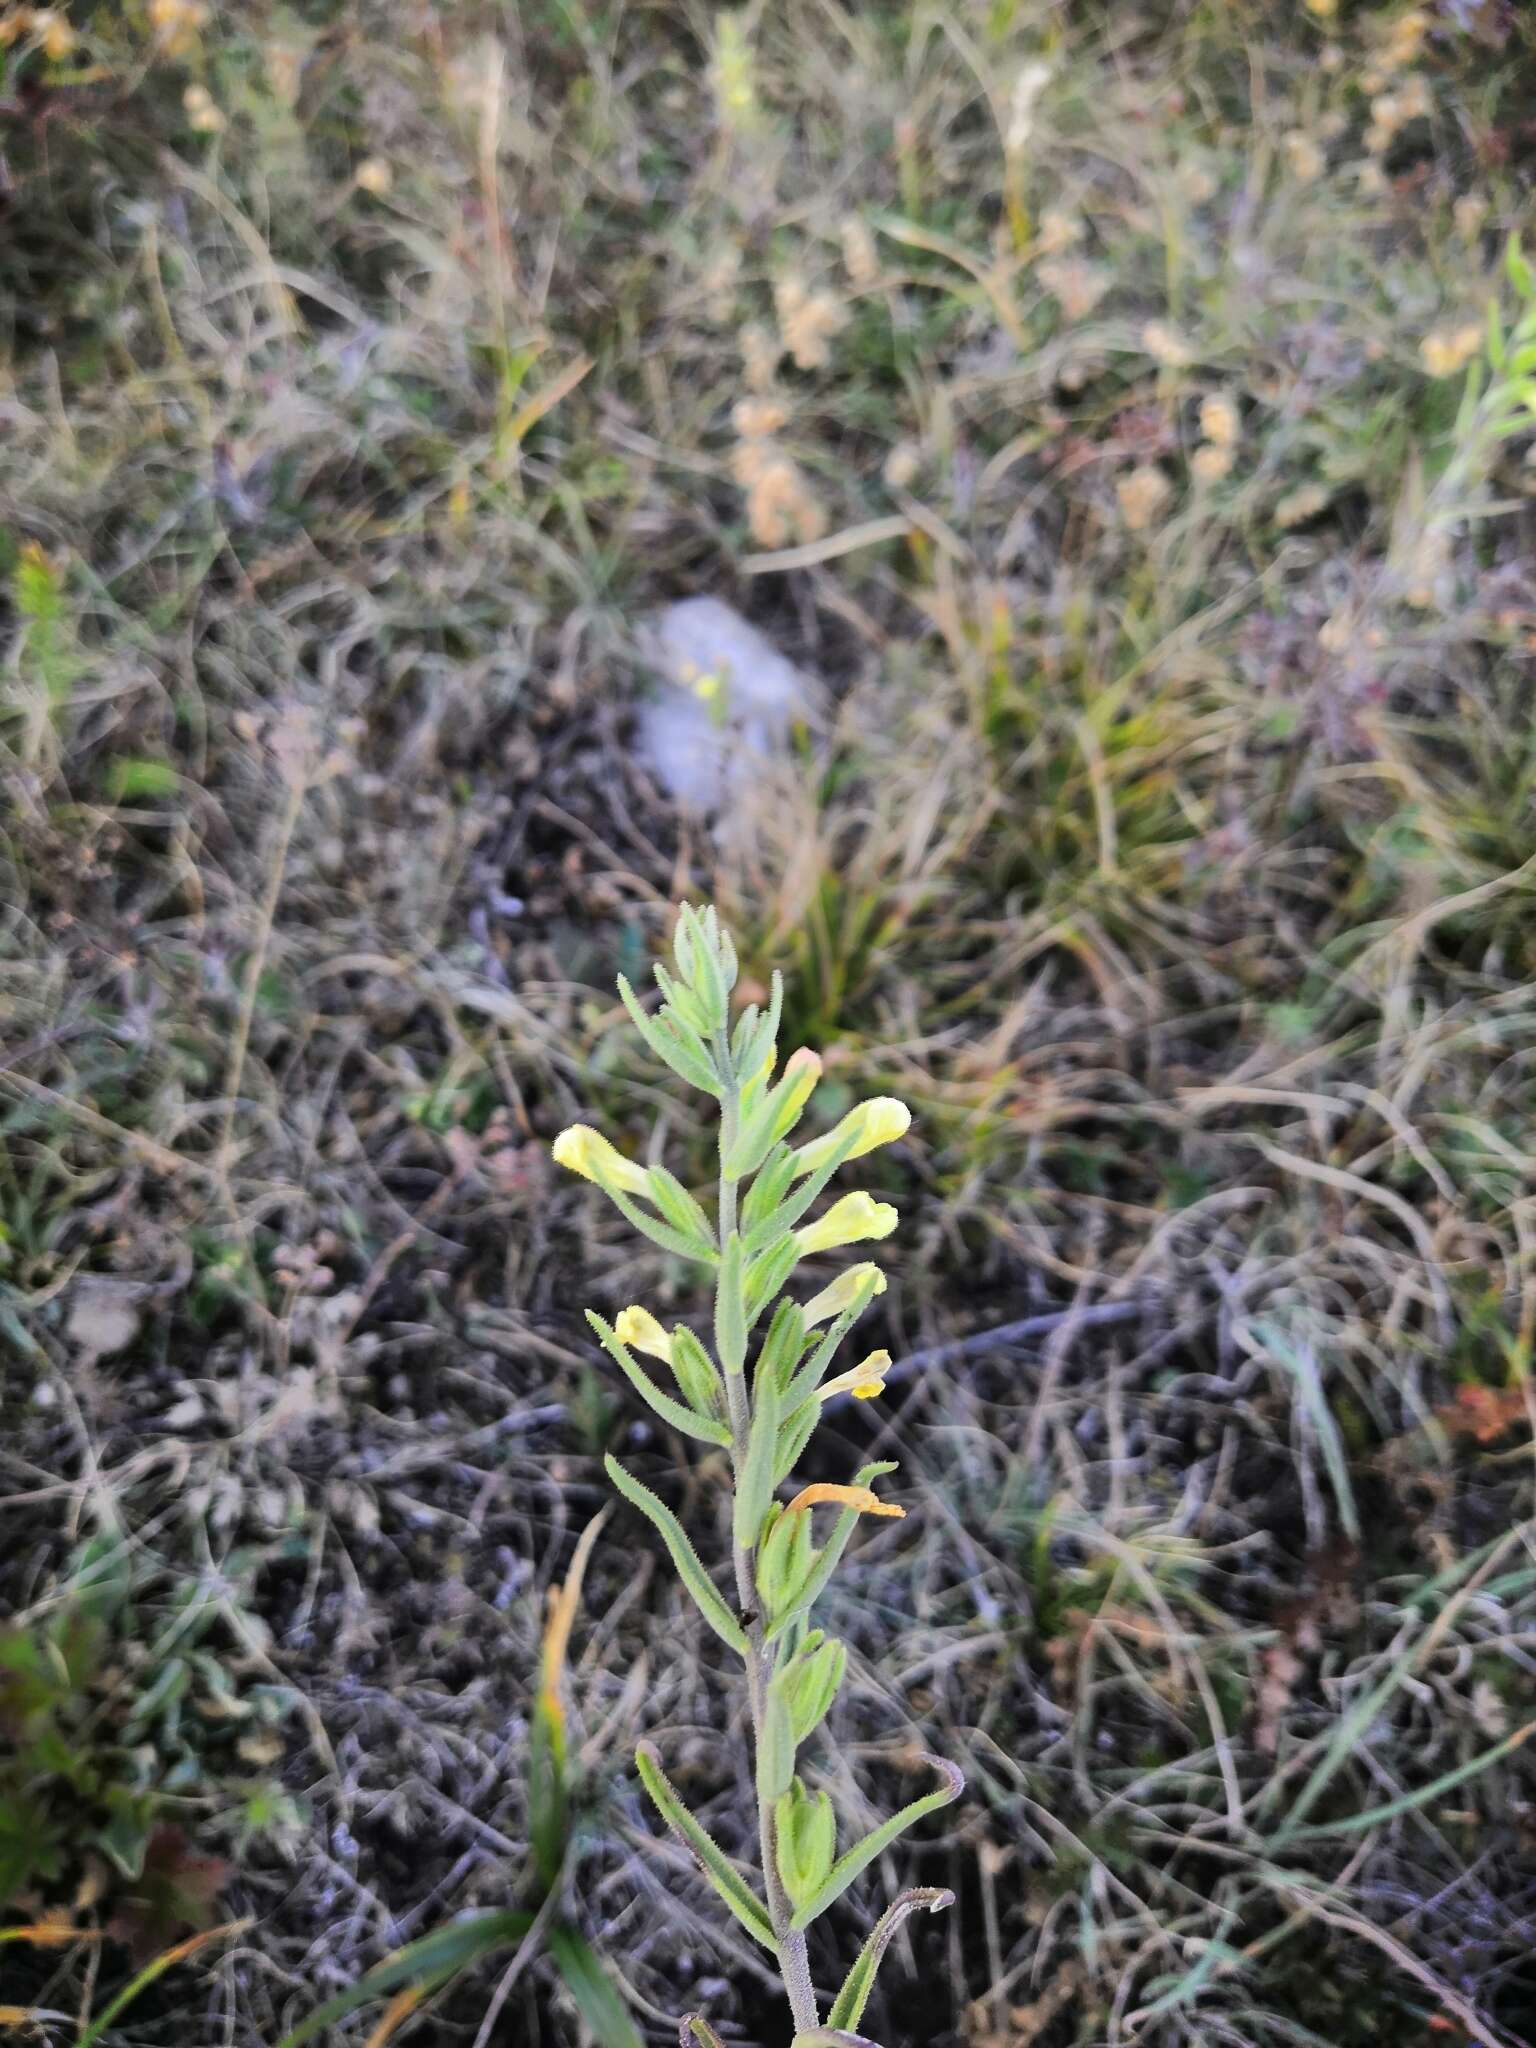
(859, 1498)
(639, 1329)
(864, 1382)
(878, 1122)
(843, 1293)
(849, 1221)
(589, 1153)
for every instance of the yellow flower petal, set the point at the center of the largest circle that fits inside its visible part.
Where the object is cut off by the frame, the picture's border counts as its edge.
(639, 1329)
(865, 1380)
(859, 1498)
(843, 1293)
(588, 1152)
(879, 1121)
(849, 1221)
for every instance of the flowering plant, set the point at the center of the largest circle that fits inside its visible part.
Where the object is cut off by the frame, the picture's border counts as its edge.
(764, 1421)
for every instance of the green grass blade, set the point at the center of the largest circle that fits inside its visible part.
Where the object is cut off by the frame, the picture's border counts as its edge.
(592, 1988)
(150, 1972)
(1358, 1823)
(430, 1962)
(1302, 1367)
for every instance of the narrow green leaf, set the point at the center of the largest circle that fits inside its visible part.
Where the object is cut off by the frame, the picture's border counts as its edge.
(663, 1234)
(790, 1208)
(794, 1434)
(688, 1061)
(725, 947)
(684, 1556)
(754, 1140)
(681, 1210)
(848, 2006)
(683, 1004)
(766, 1276)
(718, 1867)
(742, 1033)
(1495, 342)
(707, 982)
(730, 1308)
(1518, 270)
(781, 1348)
(1472, 391)
(754, 1482)
(685, 937)
(682, 1419)
(783, 1561)
(858, 1858)
(548, 1809)
(775, 1749)
(592, 1988)
(756, 1044)
(763, 1197)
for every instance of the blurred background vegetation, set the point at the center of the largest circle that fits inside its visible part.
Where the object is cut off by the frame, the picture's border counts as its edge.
(1080, 395)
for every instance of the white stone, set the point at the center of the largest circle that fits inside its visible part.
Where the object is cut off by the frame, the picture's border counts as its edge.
(703, 746)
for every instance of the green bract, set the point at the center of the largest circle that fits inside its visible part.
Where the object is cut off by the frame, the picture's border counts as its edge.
(759, 1397)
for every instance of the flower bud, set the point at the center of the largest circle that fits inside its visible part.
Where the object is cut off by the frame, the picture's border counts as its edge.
(802, 1070)
(775, 1114)
(589, 1153)
(849, 1221)
(805, 1829)
(694, 1371)
(785, 1559)
(753, 1087)
(880, 1121)
(809, 1681)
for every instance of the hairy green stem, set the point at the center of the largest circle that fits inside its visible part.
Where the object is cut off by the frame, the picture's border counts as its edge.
(794, 1962)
